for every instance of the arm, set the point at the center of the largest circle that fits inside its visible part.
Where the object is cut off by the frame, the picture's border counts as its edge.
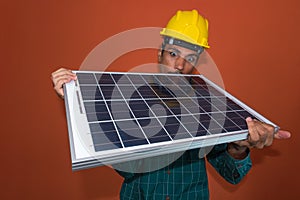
(231, 169)
(232, 160)
(260, 135)
(62, 76)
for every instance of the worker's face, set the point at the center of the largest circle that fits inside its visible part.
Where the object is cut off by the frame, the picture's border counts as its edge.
(176, 59)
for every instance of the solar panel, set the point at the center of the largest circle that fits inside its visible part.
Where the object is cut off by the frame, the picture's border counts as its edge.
(116, 117)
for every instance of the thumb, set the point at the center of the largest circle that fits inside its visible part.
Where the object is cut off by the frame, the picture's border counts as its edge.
(281, 134)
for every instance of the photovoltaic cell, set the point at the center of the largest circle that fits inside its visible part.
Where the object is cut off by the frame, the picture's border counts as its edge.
(112, 114)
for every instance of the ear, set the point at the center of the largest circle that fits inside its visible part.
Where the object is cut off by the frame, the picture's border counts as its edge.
(159, 55)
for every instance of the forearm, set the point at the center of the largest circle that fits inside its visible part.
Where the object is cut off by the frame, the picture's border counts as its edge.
(230, 168)
(236, 151)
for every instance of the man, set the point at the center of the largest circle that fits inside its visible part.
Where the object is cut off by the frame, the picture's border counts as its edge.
(184, 39)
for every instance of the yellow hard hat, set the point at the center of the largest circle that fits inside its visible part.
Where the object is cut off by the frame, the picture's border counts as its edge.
(188, 26)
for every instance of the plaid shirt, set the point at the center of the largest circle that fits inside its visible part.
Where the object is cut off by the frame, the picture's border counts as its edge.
(185, 178)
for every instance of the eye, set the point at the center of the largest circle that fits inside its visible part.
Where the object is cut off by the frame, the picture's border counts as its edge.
(173, 54)
(191, 59)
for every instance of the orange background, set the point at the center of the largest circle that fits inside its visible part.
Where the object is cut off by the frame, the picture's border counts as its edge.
(255, 44)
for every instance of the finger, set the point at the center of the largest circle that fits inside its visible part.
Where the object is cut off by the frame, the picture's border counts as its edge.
(253, 136)
(65, 77)
(257, 133)
(60, 78)
(59, 87)
(62, 73)
(62, 70)
(269, 133)
(265, 132)
(281, 134)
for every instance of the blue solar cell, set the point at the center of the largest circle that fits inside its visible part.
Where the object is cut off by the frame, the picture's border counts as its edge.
(130, 133)
(201, 91)
(90, 93)
(86, 78)
(190, 106)
(145, 122)
(136, 79)
(195, 80)
(119, 109)
(232, 105)
(158, 107)
(104, 79)
(110, 92)
(204, 104)
(201, 131)
(149, 79)
(107, 146)
(146, 92)
(121, 79)
(103, 134)
(180, 134)
(219, 103)
(245, 114)
(105, 141)
(129, 92)
(176, 80)
(139, 108)
(175, 106)
(174, 128)
(153, 130)
(191, 123)
(237, 119)
(170, 91)
(227, 124)
(102, 127)
(188, 90)
(205, 119)
(96, 111)
(162, 91)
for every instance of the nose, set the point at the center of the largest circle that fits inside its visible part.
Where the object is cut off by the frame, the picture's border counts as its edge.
(179, 64)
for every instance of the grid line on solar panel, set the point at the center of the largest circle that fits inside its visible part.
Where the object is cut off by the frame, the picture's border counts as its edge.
(113, 123)
(127, 116)
(147, 108)
(137, 138)
(170, 109)
(86, 78)
(206, 105)
(149, 97)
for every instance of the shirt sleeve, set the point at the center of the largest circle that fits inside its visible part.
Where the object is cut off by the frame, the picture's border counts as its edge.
(127, 169)
(125, 175)
(230, 169)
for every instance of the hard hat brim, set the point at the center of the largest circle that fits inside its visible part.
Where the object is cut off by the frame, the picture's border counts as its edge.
(180, 36)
